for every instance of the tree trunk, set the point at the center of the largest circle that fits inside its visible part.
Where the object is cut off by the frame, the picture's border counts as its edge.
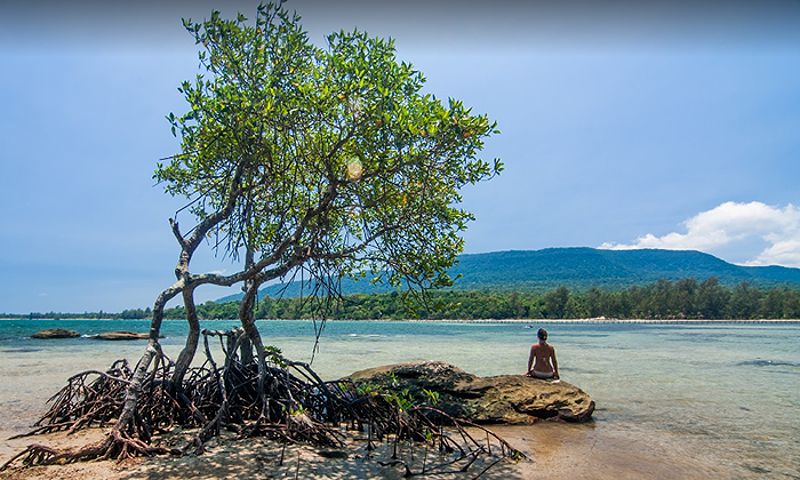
(186, 356)
(251, 331)
(246, 345)
(152, 351)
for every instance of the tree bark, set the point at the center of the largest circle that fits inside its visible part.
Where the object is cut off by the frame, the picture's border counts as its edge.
(246, 347)
(152, 351)
(251, 331)
(192, 339)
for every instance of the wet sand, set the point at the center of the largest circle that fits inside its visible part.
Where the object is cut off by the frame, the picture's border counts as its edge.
(554, 451)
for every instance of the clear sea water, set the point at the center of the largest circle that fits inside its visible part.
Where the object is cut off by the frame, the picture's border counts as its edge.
(725, 395)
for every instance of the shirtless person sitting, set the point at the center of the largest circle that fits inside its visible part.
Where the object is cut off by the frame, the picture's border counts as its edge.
(542, 360)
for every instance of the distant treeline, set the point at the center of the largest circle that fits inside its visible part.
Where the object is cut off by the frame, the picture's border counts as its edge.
(682, 299)
(130, 314)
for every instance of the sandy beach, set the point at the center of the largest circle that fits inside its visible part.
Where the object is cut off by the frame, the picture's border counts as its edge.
(554, 450)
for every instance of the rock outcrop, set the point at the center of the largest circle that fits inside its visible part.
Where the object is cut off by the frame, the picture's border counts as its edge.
(121, 336)
(56, 333)
(512, 399)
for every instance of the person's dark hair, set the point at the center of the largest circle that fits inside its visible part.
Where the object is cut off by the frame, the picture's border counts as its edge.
(542, 334)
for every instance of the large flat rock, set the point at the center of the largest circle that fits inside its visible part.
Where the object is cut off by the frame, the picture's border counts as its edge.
(512, 399)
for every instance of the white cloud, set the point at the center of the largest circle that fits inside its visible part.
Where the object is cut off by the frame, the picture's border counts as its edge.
(731, 224)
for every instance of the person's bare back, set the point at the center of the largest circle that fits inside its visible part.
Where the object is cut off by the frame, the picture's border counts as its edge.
(542, 361)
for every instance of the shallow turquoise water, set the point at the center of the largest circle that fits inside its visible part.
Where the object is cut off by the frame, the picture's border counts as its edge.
(728, 395)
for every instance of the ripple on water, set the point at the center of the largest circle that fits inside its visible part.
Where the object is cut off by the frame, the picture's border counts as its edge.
(756, 468)
(767, 363)
(586, 371)
(586, 335)
(704, 338)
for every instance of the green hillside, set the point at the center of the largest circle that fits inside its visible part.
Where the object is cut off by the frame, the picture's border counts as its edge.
(579, 268)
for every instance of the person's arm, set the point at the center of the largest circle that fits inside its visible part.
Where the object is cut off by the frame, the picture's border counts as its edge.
(555, 364)
(531, 359)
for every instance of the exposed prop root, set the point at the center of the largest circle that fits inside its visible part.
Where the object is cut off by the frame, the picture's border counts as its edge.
(85, 402)
(113, 446)
(286, 401)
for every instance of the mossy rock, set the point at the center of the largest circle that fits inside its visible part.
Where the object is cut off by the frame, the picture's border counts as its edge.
(511, 399)
(55, 333)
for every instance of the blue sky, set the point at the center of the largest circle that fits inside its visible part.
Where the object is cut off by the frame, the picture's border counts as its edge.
(622, 127)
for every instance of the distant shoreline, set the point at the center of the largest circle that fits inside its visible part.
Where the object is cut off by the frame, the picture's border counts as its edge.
(610, 321)
(592, 321)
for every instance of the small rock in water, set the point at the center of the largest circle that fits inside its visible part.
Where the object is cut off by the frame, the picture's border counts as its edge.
(56, 333)
(122, 336)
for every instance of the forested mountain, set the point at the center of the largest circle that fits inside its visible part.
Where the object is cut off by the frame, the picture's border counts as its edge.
(550, 283)
(580, 269)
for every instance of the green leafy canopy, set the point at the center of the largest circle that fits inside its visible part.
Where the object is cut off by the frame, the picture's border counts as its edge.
(331, 158)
